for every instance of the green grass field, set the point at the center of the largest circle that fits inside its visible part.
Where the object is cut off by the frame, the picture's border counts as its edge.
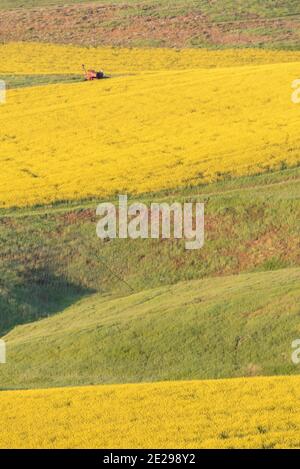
(21, 81)
(112, 314)
(252, 224)
(220, 327)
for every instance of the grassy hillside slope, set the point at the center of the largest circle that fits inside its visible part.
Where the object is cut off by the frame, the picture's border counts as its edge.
(251, 224)
(180, 23)
(23, 81)
(239, 413)
(212, 328)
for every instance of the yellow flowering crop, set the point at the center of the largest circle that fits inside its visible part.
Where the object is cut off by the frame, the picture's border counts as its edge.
(236, 413)
(33, 58)
(146, 132)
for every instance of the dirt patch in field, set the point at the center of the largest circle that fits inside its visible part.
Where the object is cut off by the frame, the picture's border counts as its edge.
(78, 216)
(272, 247)
(123, 25)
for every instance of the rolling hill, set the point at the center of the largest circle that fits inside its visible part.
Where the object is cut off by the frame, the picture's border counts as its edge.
(196, 109)
(211, 328)
(208, 129)
(51, 257)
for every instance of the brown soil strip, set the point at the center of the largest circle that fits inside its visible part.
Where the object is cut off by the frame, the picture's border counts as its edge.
(121, 25)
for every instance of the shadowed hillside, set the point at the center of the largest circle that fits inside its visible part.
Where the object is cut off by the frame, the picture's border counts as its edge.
(251, 224)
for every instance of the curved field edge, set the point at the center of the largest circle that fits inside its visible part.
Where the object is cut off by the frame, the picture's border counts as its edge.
(236, 413)
(210, 328)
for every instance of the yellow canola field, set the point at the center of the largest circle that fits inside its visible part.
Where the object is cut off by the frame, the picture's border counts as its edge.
(145, 133)
(236, 413)
(34, 58)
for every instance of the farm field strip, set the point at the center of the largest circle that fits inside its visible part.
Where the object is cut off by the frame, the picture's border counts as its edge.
(35, 58)
(115, 136)
(237, 413)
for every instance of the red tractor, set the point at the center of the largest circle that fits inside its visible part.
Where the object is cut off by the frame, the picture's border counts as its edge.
(90, 75)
